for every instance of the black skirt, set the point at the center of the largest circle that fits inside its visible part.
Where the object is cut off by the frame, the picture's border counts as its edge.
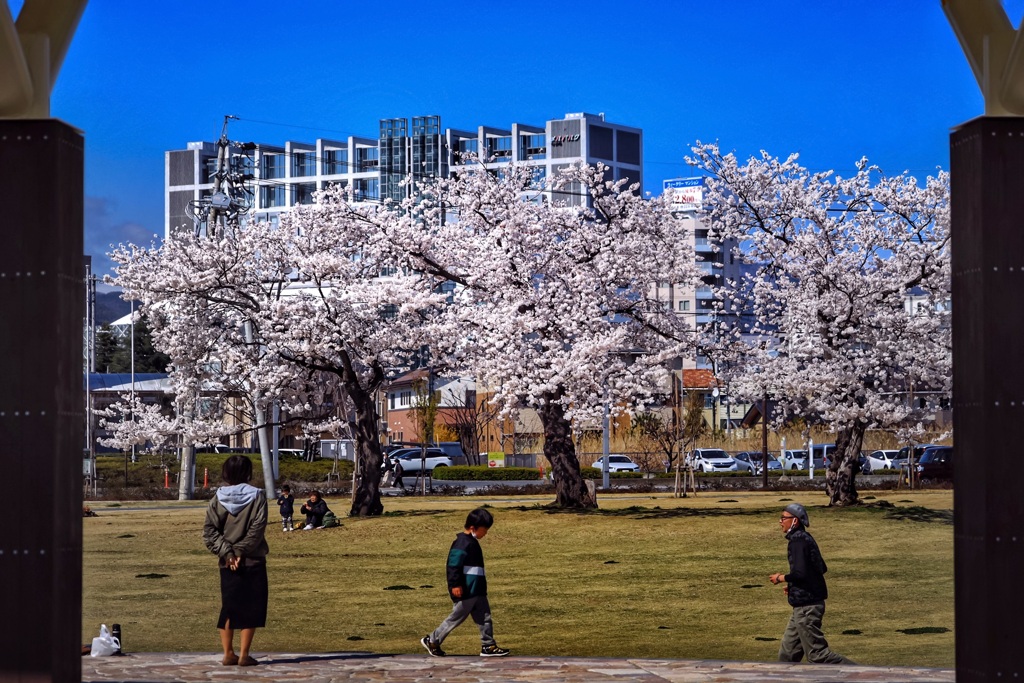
(243, 597)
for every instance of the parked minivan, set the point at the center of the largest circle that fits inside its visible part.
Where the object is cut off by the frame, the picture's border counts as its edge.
(823, 453)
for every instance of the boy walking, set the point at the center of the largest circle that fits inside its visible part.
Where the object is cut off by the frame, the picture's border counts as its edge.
(286, 501)
(467, 586)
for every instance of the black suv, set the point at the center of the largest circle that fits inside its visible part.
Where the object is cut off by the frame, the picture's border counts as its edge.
(936, 463)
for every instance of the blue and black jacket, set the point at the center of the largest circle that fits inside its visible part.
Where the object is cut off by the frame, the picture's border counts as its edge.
(466, 568)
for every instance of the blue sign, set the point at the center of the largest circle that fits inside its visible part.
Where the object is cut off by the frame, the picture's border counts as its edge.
(682, 182)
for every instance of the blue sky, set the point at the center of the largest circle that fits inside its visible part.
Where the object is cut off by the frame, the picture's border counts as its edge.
(830, 79)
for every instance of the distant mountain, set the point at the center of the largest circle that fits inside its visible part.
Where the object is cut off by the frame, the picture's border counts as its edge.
(109, 307)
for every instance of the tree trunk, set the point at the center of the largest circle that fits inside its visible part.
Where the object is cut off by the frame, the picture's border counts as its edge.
(840, 478)
(570, 489)
(366, 497)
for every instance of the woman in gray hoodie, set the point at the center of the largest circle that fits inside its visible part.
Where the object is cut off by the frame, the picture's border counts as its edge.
(234, 531)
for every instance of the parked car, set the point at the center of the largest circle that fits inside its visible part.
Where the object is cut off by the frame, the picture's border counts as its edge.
(712, 460)
(793, 460)
(919, 450)
(617, 463)
(221, 448)
(412, 458)
(936, 463)
(745, 461)
(752, 461)
(823, 454)
(877, 461)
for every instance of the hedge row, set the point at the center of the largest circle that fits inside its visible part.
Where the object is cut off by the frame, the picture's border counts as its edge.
(468, 473)
(594, 473)
(148, 470)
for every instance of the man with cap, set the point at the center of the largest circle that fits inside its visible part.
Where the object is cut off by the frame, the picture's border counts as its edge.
(806, 592)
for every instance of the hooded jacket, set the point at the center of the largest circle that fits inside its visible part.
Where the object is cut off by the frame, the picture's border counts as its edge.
(235, 523)
(806, 577)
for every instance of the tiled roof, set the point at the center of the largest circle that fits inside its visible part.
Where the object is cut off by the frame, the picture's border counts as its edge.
(699, 379)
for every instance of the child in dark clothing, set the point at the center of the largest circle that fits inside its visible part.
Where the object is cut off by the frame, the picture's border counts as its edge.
(467, 586)
(287, 502)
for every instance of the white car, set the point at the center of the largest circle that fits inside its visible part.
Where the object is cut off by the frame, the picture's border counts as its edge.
(412, 458)
(752, 461)
(712, 460)
(617, 463)
(882, 460)
(793, 460)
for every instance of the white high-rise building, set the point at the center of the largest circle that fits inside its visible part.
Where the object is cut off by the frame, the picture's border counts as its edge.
(280, 177)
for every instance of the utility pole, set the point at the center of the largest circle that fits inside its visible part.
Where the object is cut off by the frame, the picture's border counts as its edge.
(222, 211)
(764, 440)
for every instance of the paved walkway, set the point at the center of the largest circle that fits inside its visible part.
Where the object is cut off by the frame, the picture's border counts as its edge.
(358, 666)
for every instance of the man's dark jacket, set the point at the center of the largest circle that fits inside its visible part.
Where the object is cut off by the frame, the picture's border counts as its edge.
(806, 577)
(316, 511)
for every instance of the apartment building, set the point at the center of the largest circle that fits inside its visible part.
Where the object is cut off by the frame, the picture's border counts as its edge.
(280, 177)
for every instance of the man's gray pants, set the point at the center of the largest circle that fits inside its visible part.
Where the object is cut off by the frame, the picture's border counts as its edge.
(803, 636)
(479, 609)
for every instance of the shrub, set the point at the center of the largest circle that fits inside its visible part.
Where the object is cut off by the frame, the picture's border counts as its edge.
(468, 473)
(594, 473)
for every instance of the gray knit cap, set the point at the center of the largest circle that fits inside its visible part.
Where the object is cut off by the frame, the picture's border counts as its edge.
(798, 511)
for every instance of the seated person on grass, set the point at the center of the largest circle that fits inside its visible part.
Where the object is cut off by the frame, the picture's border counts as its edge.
(315, 508)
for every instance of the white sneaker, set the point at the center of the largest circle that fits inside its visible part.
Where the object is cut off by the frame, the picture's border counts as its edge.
(307, 527)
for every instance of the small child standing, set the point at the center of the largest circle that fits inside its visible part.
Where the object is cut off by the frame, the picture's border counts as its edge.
(467, 586)
(287, 502)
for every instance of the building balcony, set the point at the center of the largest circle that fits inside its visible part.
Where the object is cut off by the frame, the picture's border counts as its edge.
(704, 292)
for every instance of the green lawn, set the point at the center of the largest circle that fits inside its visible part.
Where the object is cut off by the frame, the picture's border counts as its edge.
(645, 576)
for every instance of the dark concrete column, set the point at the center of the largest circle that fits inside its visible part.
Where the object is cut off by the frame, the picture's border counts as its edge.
(42, 294)
(987, 176)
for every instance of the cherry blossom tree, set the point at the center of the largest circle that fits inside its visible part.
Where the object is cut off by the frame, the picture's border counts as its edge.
(838, 261)
(292, 313)
(555, 302)
(546, 295)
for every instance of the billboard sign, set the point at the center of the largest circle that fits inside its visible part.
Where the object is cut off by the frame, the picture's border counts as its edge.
(686, 194)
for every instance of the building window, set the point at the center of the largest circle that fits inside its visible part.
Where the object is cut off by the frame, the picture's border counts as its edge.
(684, 305)
(302, 193)
(628, 147)
(538, 175)
(469, 146)
(335, 161)
(601, 142)
(304, 164)
(391, 401)
(271, 196)
(405, 399)
(272, 166)
(367, 159)
(500, 148)
(389, 312)
(367, 190)
(533, 147)
(207, 170)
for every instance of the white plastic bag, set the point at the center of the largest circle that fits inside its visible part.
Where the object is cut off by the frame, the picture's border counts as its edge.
(105, 645)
